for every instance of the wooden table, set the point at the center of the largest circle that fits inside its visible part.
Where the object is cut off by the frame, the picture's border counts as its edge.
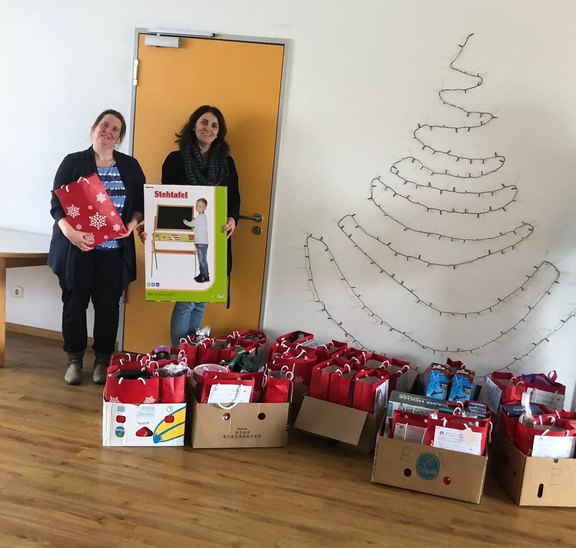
(17, 249)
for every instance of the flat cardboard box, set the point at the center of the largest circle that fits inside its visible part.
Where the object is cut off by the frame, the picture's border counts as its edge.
(244, 425)
(422, 468)
(532, 481)
(338, 422)
(298, 393)
(145, 425)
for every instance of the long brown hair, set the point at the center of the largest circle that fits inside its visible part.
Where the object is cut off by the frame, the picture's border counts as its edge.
(187, 136)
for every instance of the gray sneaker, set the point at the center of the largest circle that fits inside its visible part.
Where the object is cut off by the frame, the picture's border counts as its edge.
(73, 373)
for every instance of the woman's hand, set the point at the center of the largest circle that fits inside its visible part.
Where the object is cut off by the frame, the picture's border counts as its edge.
(131, 225)
(142, 234)
(129, 229)
(84, 241)
(229, 227)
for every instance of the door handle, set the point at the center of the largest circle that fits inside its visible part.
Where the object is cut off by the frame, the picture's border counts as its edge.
(257, 218)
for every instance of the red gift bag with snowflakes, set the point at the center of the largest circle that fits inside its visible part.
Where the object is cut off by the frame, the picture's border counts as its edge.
(89, 209)
(120, 388)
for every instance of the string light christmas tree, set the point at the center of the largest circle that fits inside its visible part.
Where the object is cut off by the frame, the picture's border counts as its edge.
(448, 184)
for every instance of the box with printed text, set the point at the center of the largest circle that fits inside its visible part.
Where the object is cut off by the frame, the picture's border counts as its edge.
(239, 425)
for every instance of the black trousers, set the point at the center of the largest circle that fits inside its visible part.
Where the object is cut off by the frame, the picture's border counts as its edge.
(97, 278)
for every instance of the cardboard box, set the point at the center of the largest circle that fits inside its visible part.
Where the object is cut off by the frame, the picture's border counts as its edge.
(338, 422)
(244, 425)
(155, 424)
(429, 470)
(532, 481)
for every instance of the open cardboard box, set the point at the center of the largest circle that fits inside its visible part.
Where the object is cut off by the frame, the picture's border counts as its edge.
(422, 468)
(243, 425)
(154, 424)
(532, 481)
(347, 425)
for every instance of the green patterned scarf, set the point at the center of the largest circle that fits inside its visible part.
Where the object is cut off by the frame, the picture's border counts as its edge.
(206, 170)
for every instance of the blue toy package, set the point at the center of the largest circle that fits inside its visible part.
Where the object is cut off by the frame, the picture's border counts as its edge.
(436, 381)
(462, 385)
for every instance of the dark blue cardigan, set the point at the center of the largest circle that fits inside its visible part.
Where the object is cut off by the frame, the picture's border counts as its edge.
(62, 254)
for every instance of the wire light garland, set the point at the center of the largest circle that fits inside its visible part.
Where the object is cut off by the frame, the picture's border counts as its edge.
(398, 253)
(468, 168)
(452, 238)
(441, 210)
(374, 315)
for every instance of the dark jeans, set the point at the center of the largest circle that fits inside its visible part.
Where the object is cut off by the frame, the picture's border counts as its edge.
(97, 278)
(202, 250)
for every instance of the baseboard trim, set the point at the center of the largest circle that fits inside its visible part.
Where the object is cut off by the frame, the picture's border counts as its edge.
(34, 331)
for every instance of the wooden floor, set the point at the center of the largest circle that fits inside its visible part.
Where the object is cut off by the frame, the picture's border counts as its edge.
(60, 487)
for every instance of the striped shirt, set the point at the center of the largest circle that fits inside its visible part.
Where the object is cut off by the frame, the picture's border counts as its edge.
(114, 186)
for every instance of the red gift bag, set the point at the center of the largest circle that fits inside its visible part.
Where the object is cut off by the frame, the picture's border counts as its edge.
(526, 437)
(288, 340)
(173, 388)
(216, 352)
(408, 426)
(399, 377)
(146, 367)
(511, 392)
(340, 385)
(119, 389)
(329, 350)
(546, 389)
(275, 389)
(239, 380)
(173, 379)
(248, 339)
(89, 208)
(190, 349)
(320, 379)
(357, 355)
(127, 357)
(299, 361)
(457, 433)
(368, 384)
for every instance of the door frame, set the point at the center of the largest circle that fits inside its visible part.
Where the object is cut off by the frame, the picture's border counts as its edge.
(281, 107)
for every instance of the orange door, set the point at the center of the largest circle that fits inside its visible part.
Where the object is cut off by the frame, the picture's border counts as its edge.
(243, 79)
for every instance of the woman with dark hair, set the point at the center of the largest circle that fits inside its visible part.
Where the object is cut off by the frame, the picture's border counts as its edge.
(98, 273)
(202, 159)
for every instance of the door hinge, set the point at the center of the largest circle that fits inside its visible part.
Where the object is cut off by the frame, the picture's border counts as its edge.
(135, 73)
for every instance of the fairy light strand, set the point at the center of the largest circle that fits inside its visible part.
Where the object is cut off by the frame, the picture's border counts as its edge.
(374, 315)
(490, 308)
(397, 168)
(472, 168)
(397, 253)
(452, 238)
(441, 210)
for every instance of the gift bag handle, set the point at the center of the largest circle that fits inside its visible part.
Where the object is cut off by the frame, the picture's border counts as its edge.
(141, 379)
(233, 404)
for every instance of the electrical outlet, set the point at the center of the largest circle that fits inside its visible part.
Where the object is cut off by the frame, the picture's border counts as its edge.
(18, 291)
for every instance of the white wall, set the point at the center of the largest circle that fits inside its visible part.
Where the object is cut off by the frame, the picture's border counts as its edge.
(360, 80)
